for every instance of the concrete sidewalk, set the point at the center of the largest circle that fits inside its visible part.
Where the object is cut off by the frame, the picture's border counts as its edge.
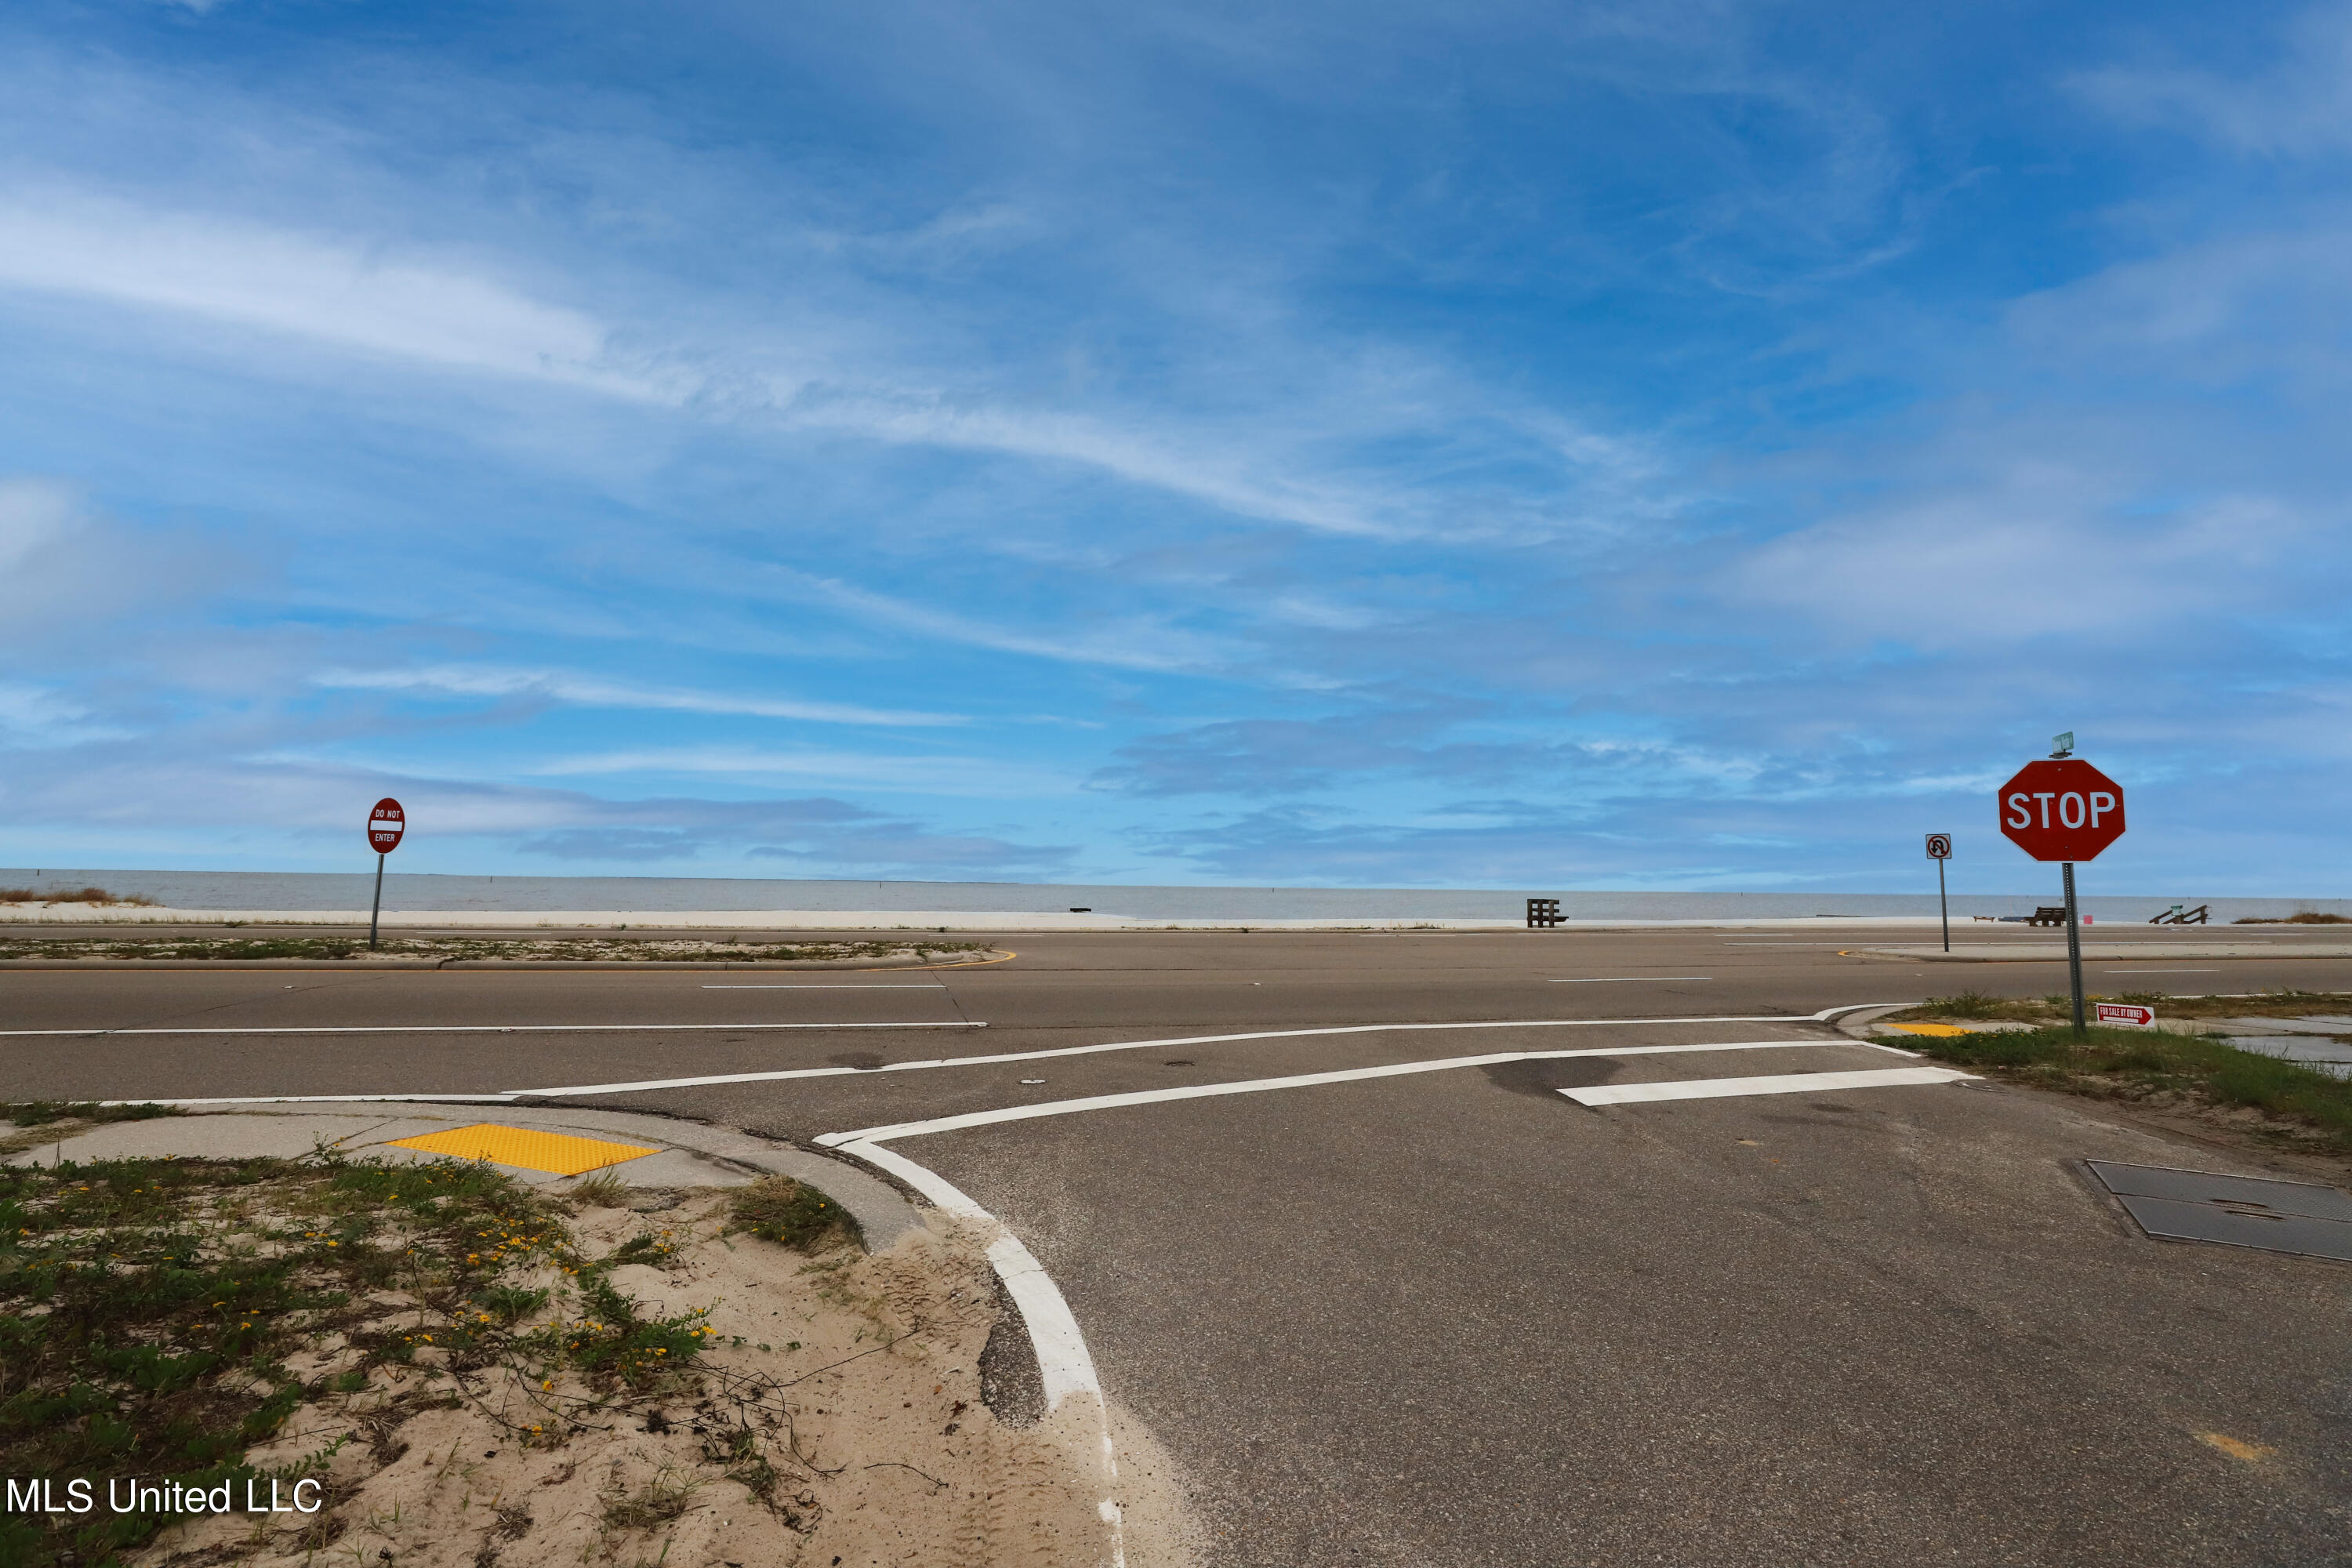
(676, 1154)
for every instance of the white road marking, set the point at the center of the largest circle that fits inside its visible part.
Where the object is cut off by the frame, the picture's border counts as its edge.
(1065, 1366)
(896, 985)
(1821, 1017)
(2159, 971)
(1298, 1080)
(1626, 979)
(1784, 1083)
(479, 1029)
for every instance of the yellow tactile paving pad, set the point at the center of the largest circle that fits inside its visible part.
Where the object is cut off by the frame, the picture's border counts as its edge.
(1943, 1030)
(558, 1153)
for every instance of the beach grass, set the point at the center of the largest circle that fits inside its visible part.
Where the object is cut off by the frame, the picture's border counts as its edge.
(2155, 1065)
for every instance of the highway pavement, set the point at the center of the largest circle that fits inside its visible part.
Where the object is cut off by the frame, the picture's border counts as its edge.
(1427, 1308)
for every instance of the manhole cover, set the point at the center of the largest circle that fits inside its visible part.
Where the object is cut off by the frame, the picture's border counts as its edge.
(2236, 1211)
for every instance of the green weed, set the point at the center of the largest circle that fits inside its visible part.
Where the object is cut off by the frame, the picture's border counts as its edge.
(41, 1112)
(149, 1308)
(777, 1208)
(2145, 1061)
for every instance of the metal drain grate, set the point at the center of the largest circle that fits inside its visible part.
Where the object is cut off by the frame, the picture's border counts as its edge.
(2236, 1211)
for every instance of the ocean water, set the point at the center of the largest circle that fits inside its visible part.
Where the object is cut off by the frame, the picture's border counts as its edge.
(296, 890)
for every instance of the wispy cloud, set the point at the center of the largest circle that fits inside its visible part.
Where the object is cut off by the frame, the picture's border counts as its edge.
(560, 686)
(938, 776)
(1615, 442)
(2299, 102)
(331, 292)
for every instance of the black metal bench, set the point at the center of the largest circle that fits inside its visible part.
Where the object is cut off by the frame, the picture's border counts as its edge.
(1543, 912)
(2049, 915)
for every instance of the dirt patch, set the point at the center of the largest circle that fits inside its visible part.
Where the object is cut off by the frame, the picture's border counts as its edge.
(835, 1417)
(475, 1376)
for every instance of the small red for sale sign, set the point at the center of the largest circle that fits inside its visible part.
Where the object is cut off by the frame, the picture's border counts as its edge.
(2126, 1014)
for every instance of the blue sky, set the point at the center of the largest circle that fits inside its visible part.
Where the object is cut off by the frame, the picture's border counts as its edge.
(1615, 446)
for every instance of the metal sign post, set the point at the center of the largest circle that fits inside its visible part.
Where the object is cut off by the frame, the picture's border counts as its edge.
(387, 823)
(1939, 849)
(2074, 943)
(2063, 809)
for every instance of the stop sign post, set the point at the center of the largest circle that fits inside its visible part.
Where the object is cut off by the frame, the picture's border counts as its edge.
(2063, 809)
(387, 823)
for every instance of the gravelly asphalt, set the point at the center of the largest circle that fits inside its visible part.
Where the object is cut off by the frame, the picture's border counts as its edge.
(1454, 1318)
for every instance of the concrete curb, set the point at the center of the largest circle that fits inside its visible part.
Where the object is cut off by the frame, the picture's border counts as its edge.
(1857, 1023)
(728, 1158)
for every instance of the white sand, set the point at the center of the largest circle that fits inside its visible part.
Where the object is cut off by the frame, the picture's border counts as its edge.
(890, 1457)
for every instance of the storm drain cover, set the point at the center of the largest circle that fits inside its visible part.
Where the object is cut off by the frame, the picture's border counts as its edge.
(2236, 1211)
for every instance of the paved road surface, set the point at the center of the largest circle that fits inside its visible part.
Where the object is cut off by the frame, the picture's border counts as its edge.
(1450, 1315)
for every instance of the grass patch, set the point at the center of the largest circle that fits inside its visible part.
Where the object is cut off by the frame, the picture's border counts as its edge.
(41, 1112)
(581, 950)
(2307, 918)
(2151, 1063)
(1972, 1004)
(779, 1209)
(2058, 1008)
(659, 1501)
(152, 1313)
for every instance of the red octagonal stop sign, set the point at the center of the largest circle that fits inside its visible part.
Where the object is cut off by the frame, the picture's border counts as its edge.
(385, 825)
(2062, 810)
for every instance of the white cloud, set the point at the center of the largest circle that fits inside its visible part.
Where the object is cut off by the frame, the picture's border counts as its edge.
(33, 513)
(453, 312)
(560, 686)
(1135, 644)
(337, 291)
(40, 716)
(67, 573)
(954, 776)
(2301, 105)
(2038, 551)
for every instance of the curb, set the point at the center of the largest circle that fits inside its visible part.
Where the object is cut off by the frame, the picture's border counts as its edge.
(882, 1212)
(1857, 1023)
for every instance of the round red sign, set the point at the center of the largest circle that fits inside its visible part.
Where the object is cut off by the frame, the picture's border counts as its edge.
(2062, 809)
(385, 825)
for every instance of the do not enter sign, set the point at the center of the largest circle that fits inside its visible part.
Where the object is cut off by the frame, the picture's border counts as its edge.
(2062, 810)
(387, 823)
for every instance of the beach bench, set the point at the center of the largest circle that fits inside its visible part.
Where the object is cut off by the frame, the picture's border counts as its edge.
(2049, 915)
(1542, 912)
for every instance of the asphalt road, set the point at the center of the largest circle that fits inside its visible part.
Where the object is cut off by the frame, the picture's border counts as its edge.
(1450, 1315)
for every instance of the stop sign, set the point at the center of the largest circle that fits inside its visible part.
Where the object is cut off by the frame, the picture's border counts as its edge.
(2063, 809)
(385, 825)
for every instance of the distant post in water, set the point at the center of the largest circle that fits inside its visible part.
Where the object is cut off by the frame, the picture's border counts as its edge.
(2063, 809)
(1939, 849)
(387, 823)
